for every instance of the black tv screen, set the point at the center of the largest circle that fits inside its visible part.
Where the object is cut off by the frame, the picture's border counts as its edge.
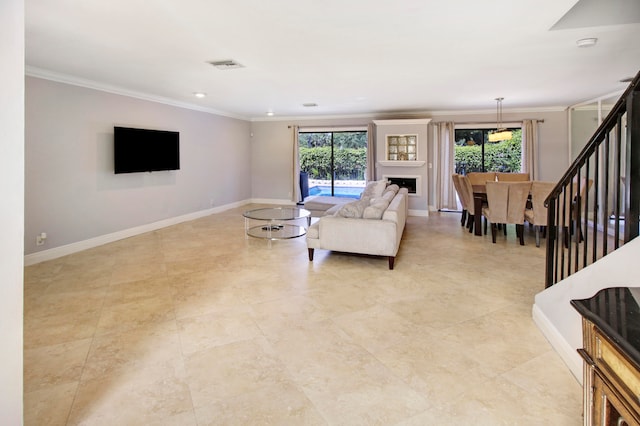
(144, 150)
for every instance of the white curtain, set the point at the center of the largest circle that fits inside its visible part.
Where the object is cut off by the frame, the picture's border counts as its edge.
(530, 148)
(444, 165)
(296, 193)
(371, 153)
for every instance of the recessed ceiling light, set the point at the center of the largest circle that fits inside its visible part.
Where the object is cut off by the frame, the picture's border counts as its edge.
(587, 42)
(199, 94)
(310, 104)
(270, 113)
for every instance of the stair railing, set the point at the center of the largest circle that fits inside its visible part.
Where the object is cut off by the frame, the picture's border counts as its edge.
(595, 207)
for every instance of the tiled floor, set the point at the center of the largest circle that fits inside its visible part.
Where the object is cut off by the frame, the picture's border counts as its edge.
(197, 325)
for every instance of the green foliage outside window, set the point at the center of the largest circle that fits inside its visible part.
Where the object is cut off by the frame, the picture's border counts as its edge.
(349, 163)
(502, 156)
(350, 154)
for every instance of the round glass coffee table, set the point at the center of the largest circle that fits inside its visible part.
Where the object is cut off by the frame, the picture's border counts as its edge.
(273, 227)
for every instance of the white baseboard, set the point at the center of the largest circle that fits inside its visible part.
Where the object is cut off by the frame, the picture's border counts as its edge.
(272, 201)
(56, 252)
(566, 352)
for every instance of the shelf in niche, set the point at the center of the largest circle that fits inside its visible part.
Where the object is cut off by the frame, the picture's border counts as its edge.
(400, 163)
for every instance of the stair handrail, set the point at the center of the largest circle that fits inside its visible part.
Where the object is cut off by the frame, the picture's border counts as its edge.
(629, 102)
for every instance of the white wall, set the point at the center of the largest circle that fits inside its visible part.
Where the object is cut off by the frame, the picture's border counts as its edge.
(72, 193)
(11, 208)
(560, 322)
(584, 122)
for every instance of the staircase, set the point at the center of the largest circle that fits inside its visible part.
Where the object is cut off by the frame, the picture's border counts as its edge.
(593, 218)
(595, 207)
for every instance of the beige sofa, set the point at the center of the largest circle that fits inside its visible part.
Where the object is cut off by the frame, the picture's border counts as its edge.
(372, 225)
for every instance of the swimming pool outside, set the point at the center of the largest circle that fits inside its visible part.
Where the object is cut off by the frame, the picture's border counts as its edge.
(348, 189)
(338, 191)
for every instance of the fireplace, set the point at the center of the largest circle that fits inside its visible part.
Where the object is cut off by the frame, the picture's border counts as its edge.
(412, 183)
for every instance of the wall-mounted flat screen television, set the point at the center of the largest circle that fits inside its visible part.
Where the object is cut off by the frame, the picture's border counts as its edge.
(144, 150)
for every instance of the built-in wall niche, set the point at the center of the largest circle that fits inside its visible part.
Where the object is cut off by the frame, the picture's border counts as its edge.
(401, 148)
(402, 142)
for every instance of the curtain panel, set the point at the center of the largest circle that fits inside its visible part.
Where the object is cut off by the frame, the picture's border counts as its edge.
(371, 153)
(530, 148)
(296, 193)
(444, 167)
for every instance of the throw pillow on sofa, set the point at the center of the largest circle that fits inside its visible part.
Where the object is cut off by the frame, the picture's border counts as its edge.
(393, 187)
(374, 189)
(375, 210)
(386, 196)
(353, 209)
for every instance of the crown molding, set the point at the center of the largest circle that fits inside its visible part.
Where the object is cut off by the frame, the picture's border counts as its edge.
(36, 72)
(413, 115)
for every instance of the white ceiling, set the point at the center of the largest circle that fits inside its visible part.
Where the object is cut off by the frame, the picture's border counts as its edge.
(350, 57)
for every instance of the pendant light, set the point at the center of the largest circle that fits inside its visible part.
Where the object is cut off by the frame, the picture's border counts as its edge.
(500, 134)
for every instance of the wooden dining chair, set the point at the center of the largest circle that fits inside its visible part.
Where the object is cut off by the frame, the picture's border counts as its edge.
(537, 214)
(480, 178)
(506, 204)
(512, 177)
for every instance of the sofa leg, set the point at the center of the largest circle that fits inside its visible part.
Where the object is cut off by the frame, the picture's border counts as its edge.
(310, 255)
(392, 259)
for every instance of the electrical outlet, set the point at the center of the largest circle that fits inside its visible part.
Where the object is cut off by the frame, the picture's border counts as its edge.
(211, 202)
(40, 239)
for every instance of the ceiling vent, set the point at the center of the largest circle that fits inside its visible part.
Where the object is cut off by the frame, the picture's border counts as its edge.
(226, 64)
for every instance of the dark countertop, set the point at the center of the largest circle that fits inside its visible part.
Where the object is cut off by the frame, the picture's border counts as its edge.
(616, 312)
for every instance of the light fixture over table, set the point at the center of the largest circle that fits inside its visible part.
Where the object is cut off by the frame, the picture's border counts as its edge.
(500, 134)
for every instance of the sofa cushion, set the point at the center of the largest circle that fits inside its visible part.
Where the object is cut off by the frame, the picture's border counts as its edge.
(353, 209)
(333, 210)
(322, 202)
(375, 210)
(387, 196)
(391, 188)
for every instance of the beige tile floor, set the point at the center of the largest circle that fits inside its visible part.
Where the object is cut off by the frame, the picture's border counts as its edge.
(197, 325)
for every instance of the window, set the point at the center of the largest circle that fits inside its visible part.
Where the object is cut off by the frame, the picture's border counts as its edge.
(335, 161)
(474, 152)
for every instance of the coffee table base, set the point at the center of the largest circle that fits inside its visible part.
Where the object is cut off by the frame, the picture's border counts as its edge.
(276, 231)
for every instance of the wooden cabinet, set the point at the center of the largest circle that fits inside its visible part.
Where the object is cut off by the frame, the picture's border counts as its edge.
(611, 385)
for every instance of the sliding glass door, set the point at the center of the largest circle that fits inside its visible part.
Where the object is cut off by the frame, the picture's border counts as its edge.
(335, 161)
(474, 152)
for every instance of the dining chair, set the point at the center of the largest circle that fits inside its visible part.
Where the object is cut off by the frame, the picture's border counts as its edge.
(506, 204)
(537, 214)
(480, 178)
(467, 194)
(512, 177)
(456, 184)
